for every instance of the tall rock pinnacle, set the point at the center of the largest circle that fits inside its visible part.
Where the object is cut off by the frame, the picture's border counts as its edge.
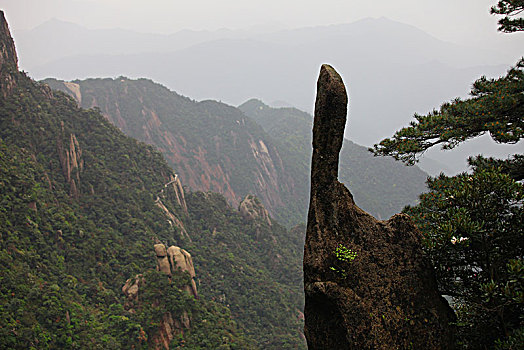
(367, 282)
(8, 57)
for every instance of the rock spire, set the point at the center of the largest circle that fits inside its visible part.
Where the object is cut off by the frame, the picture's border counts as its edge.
(367, 283)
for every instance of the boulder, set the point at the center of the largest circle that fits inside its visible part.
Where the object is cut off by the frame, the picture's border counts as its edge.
(181, 259)
(161, 259)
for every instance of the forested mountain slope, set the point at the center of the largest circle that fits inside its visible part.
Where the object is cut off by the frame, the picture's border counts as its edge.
(380, 186)
(212, 146)
(216, 147)
(81, 206)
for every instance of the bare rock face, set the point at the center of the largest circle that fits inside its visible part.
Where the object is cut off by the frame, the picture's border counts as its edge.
(130, 288)
(181, 259)
(173, 259)
(367, 282)
(252, 209)
(168, 261)
(174, 184)
(71, 161)
(8, 58)
(161, 259)
(179, 192)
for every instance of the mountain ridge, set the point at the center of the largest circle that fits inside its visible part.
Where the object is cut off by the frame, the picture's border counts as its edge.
(236, 155)
(406, 75)
(211, 145)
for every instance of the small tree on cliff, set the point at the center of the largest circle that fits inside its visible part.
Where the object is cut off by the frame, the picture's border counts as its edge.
(473, 223)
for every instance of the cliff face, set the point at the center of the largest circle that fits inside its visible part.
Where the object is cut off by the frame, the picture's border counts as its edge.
(175, 185)
(71, 161)
(8, 58)
(367, 283)
(212, 146)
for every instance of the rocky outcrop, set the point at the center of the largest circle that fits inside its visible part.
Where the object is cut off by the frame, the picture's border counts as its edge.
(70, 155)
(367, 283)
(131, 287)
(172, 219)
(75, 91)
(169, 325)
(8, 58)
(212, 146)
(168, 261)
(252, 209)
(175, 258)
(174, 184)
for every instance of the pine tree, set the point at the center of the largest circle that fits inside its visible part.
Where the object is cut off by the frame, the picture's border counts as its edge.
(472, 226)
(510, 8)
(473, 223)
(496, 107)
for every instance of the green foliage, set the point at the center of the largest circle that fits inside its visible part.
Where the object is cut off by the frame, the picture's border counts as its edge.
(211, 324)
(509, 8)
(473, 223)
(344, 256)
(496, 107)
(254, 269)
(473, 233)
(513, 166)
(72, 233)
(251, 268)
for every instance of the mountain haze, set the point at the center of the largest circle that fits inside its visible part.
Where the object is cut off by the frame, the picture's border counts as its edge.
(404, 68)
(211, 146)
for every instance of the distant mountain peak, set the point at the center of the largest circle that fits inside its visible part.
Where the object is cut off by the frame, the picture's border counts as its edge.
(56, 23)
(253, 102)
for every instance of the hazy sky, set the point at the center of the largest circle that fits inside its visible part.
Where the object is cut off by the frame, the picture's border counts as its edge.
(452, 20)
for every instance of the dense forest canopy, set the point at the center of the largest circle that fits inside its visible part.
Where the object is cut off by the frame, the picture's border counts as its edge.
(82, 206)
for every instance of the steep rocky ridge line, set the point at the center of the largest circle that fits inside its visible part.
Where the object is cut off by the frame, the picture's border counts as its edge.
(71, 161)
(251, 209)
(178, 190)
(211, 146)
(367, 283)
